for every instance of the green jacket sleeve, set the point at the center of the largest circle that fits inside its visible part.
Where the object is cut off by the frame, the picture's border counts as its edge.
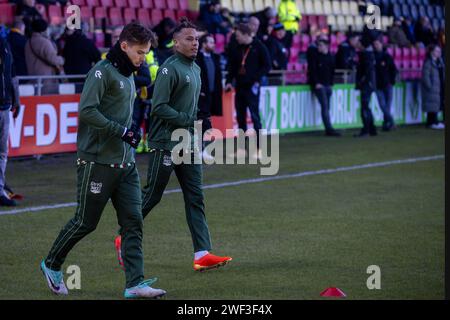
(165, 83)
(95, 86)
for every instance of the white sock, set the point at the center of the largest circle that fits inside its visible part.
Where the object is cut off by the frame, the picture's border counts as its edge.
(200, 254)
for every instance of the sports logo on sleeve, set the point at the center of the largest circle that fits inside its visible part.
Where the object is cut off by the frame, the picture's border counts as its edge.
(121, 85)
(98, 74)
(165, 71)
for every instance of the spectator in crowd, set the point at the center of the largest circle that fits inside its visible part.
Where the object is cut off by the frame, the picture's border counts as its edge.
(213, 20)
(346, 57)
(80, 53)
(9, 101)
(424, 32)
(289, 15)
(227, 18)
(210, 100)
(433, 82)
(277, 50)
(408, 28)
(366, 83)
(246, 67)
(17, 41)
(386, 74)
(253, 23)
(164, 32)
(397, 34)
(321, 79)
(27, 10)
(265, 17)
(42, 58)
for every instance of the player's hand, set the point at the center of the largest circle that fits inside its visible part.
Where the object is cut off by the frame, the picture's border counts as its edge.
(15, 110)
(132, 138)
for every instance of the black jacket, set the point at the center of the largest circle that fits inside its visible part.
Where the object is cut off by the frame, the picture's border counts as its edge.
(257, 64)
(80, 54)
(385, 69)
(214, 98)
(17, 43)
(321, 69)
(278, 53)
(345, 57)
(366, 71)
(8, 95)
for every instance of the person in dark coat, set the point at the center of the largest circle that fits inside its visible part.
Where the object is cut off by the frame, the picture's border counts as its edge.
(27, 10)
(366, 82)
(17, 41)
(210, 100)
(277, 50)
(433, 82)
(80, 53)
(386, 76)
(321, 79)
(347, 54)
(247, 65)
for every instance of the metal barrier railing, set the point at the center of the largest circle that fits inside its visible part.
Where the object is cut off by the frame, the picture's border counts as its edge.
(275, 77)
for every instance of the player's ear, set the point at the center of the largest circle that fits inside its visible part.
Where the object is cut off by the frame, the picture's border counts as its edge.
(124, 46)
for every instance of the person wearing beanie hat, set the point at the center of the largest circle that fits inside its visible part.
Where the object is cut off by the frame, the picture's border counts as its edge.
(42, 56)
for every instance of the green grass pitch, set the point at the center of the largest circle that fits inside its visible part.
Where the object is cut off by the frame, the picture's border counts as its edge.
(289, 239)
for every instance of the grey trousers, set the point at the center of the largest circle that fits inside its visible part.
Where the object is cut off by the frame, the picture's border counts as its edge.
(4, 133)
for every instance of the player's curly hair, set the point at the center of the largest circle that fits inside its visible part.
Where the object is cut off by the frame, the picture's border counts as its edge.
(185, 23)
(136, 33)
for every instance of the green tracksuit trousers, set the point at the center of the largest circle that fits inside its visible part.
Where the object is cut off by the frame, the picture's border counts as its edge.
(190, 179)
(96, 184)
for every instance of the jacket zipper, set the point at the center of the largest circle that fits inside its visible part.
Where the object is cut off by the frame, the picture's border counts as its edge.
(129, 118)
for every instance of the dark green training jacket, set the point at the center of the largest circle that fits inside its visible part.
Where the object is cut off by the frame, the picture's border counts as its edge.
(105, 110)
(175, 99)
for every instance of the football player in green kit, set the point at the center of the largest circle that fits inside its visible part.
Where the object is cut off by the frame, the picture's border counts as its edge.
(175, 99)
(106, 166)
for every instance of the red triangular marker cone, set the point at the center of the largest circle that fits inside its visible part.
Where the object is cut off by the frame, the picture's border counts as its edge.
(333, 292)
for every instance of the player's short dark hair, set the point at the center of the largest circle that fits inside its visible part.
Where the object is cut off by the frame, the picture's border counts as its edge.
(204, 38)
(244, 29)
(185, 23)
(136, 33)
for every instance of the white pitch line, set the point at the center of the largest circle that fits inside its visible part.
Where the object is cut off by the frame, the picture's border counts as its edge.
(255, 180)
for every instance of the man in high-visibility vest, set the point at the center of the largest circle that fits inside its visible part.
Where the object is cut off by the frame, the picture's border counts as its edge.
(289, 15)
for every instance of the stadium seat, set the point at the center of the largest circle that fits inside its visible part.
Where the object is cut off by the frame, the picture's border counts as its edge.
(331, 21)
(144, 16)
(354, 9)
(156, 16)
(225, 4)
(345, 7)
(129, 15)
(236, 6)
(172, 4)
(169, 13)
(309, 7)
(86, 13)
(220, 43)
(115, 16)
(147, 4)
(248, 6)
(406, 54)
(305, 42)
(359, 23)
(258, 5)
(312, 21)
(318, 7)
(300, 5)
(92, 3)
(327, 7)
(107, 3)
(322, 21)
(121, 3)
(341, 23)
(100, 13)
(79, 3)
(350, 21)
(296, 41)
(293, 57)
(54, 12)
(184, 4)
(181, 13)
(7, 13)
(336, 7)
(135, 4)
(159, 4)
(304, 24)
(430, 12)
